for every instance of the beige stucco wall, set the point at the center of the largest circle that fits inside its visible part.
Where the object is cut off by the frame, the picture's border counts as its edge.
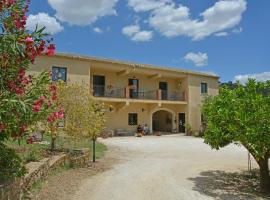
(195, 98)
(118, 118)
(82, 71)
(77, 71)
(145, 83)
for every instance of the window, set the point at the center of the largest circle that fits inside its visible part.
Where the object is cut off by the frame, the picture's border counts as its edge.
(204, 88)
(59, 73)
(132, 119)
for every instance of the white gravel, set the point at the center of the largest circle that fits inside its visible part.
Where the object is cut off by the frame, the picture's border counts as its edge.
(161, 168)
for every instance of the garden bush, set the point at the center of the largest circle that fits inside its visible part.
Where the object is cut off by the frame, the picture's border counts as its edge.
(10, 164)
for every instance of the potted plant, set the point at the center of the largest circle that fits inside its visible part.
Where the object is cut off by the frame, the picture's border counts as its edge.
(188, 129)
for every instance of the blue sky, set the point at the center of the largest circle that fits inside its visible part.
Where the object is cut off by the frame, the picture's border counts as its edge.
(226, 37)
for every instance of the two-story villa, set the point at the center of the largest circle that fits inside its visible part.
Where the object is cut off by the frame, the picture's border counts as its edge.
(163, 98)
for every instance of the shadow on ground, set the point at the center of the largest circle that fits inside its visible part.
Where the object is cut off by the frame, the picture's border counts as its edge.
(229, 186)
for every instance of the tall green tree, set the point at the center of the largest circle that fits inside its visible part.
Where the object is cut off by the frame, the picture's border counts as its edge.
(242, 115)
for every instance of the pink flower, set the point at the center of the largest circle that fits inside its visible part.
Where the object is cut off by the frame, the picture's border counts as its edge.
(55, 114)
(53, 88)
(30, 140)
(19, 91)
(59, 114)
(36, 107)
(17, 24)
(25, 81)
(51, 119)
(10, 2)
(49, 103)
(21, 72)
(29, 40)
(42, 99)
(54, 97)
(11, 85)
(50, 50)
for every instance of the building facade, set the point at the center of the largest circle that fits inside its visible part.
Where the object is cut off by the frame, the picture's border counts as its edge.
(163, 98)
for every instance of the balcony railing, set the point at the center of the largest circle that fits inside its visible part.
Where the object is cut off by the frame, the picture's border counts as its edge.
(102, 91)
(131, 93)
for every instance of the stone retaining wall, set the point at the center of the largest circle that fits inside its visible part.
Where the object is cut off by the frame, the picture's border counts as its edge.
(16, 189)
(81, 159)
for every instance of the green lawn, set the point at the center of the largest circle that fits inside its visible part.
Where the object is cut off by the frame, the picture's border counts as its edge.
(35, 152)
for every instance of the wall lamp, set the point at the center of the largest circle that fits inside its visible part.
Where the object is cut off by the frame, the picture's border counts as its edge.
(110, 108)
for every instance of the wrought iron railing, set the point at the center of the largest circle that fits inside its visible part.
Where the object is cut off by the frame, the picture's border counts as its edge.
(102, 91)
(127, 92)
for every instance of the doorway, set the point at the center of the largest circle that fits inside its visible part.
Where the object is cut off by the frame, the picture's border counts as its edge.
(181, 122)
(163, 86)
(162, 121)
(134, 88)
(98, 86)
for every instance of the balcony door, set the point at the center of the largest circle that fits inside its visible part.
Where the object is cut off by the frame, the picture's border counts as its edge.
(134, 88)
(181, 123)
(163, 86)
(98, 85)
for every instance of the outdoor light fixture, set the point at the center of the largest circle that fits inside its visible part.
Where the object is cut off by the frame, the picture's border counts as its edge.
(110, 108)
(180, 84)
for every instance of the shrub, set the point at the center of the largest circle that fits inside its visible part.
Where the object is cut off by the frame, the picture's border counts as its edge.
(10, 164)
(32, 156)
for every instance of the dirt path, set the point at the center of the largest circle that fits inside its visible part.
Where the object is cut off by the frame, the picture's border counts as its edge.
(170, 168)
(64, 185)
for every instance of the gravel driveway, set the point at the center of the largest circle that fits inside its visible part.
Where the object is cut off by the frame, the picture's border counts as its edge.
(169, 168)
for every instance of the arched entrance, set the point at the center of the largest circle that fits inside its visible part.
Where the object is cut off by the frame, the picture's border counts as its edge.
(162, 121)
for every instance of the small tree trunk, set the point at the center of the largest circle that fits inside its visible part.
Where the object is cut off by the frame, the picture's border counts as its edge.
(53, 143)
(94, 150)
(264, 175)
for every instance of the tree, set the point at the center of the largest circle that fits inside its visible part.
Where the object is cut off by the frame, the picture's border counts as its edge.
(242, 115)
(229, 84)
(83, 115)
(24, 99)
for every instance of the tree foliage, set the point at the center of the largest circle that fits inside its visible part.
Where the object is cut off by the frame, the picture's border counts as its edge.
(229, 84)
(242, 115)
(24, 99)
(10, 164)
(83, 115)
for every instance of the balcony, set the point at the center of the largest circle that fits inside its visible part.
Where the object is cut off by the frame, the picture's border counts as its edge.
(130, 92)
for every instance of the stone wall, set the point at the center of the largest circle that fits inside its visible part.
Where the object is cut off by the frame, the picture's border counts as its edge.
(37, 170)
(80, 159)
(16, 189)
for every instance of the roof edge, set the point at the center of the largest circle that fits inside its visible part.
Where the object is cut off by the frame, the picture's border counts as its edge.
(149, 66)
